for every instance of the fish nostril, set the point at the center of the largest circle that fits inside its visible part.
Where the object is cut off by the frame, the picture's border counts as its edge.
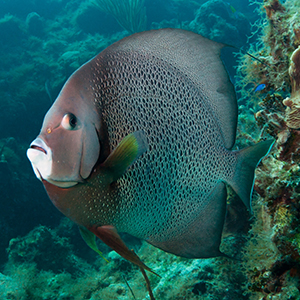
(38, 148)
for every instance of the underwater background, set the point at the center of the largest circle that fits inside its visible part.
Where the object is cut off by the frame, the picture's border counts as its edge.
(42, 255)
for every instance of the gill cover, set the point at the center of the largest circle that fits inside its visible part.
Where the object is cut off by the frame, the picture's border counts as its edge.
(68, 147)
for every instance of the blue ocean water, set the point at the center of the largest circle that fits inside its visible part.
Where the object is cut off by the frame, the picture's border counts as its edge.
(42, 44)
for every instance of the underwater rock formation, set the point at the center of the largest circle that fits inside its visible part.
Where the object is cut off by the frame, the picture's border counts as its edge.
(44, 248)
(11, 30)
(35, 24)
(44, 266)
(219, 21)
(293, 102)
(272, 253)
(19, 194)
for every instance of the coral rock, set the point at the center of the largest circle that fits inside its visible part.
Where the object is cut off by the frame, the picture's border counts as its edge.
(216, 20)
(294, 71)
(292, 112)
(272, 7)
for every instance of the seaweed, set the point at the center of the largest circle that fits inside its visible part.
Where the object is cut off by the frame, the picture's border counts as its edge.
(130, 14)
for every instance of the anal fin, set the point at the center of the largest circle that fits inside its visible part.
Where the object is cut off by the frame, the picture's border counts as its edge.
(109, 235)
(201, 237)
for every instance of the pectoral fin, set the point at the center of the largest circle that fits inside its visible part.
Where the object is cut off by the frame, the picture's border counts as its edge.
(126, 153)
(109, 235)
(90, 240)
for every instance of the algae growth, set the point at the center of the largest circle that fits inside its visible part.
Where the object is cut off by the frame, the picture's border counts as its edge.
(271, 255)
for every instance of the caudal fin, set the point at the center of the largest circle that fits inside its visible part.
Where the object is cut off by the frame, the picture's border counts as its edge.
(248, 159)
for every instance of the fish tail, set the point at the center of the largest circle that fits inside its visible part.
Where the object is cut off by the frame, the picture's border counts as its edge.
(247, 160)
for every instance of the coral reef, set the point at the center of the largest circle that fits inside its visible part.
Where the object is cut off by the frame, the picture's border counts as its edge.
(44, 265)
(293, 102)
(272, 254)
(35, 24)
(43, 247)
(11, 30)
(214, 19)
(219, 20)
(42, 49)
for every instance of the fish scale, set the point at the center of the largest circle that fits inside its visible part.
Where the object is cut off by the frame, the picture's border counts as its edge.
(174, 126)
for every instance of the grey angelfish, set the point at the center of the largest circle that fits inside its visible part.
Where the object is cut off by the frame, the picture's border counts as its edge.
(139, 140)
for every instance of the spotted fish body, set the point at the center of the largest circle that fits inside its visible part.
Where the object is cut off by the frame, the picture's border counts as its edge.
(165, 113)
(165, 190)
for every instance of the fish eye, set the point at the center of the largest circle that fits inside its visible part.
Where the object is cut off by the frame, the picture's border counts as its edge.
(69, 121)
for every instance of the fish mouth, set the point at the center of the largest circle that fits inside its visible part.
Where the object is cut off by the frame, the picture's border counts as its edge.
(40, 156)
(61, 184)
(35, 147)
(39, 145)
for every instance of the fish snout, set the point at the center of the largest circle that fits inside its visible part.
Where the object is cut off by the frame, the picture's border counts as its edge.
(40, 156)
(33, 146)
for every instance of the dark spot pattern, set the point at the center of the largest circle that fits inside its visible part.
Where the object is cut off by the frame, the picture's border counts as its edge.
(165, 189)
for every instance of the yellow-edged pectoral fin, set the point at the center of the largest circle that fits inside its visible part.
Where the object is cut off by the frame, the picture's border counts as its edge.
(90, 240)
(126, 153)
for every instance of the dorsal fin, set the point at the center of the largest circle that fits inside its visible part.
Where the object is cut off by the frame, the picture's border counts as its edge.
(198, 58)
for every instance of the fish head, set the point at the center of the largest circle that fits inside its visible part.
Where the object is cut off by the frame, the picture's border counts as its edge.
(68, 146)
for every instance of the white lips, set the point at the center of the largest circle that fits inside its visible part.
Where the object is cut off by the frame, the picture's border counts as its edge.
(40, 156)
